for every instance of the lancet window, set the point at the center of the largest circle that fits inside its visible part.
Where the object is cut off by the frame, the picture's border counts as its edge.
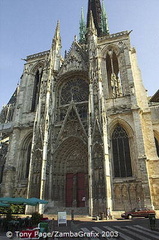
(25, 158)
(36, 89)
(121, 153)
(3, 152)
(113, 74)
(28, 161)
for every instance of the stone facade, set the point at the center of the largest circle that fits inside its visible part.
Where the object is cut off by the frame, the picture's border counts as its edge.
(82, 132)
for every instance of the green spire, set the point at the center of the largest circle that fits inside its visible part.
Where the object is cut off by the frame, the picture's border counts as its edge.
(104, 20)
(82, 33)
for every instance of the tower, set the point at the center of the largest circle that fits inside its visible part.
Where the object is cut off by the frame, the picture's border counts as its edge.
(84, 135)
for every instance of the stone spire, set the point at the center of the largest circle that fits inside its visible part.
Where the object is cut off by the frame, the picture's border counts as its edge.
(55, 55)
(91, 25)
(57, 37)
(104, 20)
(82, 28)
(95, 7)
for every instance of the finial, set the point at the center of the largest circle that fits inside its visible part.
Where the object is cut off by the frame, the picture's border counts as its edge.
(57, 36)
(75, 38)
(82, 34)
(91, 23)
(104, 20)
(82, 15)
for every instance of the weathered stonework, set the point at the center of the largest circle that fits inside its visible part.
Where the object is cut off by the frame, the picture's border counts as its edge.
(61, 126)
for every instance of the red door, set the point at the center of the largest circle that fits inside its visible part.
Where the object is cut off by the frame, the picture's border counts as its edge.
(81, 190)
(69, 189)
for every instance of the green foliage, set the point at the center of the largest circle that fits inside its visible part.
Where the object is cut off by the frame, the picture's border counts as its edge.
(14, 209)
(3, 210)
(36, 217)
(17, 209)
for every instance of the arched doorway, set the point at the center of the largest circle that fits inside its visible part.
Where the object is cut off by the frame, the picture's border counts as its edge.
(70, 173)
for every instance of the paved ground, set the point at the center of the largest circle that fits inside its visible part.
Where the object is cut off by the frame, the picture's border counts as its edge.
(129, 229)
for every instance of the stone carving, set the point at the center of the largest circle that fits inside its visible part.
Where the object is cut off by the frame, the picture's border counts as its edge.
(127, 194)
(75, 60)
(71, 157)
(74, 90)
(116, 87)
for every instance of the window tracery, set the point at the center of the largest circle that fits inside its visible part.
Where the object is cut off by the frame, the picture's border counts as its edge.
(82, 110)
(25, 157)
(121, 153)
(74, 90)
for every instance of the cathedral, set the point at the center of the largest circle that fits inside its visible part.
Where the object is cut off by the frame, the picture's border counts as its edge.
(80, 130)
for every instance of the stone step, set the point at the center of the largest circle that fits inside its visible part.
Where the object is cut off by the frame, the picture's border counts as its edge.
(68, 210)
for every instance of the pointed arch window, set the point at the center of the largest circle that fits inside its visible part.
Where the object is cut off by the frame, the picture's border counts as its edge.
(121, 153)
(1, 172)
(113, 74)
(28, 160)
(157, 146)
(36, 90)
(25, 156)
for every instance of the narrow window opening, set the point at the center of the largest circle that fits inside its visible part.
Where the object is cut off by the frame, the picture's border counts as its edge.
(157, 147)
(121, 153)
(1, 172)
(28, 161)
(36, 90)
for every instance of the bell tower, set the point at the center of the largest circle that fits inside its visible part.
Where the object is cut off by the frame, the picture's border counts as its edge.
(117, 128)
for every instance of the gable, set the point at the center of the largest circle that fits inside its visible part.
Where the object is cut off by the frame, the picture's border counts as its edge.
(76, 60)
(72, 126)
